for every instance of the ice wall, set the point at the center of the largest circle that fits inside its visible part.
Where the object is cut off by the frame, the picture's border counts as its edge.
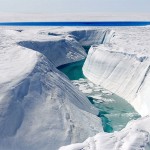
(90, 37)
(59, 50)
(122, 66)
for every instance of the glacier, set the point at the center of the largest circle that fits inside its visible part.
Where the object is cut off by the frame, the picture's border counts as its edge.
(39, 106)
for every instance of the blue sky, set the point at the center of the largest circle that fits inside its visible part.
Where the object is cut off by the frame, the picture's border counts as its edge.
(74, 6)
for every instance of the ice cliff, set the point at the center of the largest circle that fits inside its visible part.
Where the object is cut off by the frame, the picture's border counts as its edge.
(122, 66)
(92, 37)
(66, 49)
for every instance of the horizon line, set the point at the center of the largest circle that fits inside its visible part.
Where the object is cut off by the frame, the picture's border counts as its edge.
(76, 23)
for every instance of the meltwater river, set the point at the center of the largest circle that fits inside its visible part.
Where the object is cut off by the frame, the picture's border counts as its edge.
(114, 111)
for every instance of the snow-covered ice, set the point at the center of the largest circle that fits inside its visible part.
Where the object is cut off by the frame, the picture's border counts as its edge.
(39, 106)
(41, 109)
(135, 136)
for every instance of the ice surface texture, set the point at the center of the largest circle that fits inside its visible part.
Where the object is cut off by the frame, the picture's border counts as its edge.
(39, 106)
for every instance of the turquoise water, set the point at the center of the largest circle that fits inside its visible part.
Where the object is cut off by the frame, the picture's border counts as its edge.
(114, 111)
(86, 48)
(73, 70)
